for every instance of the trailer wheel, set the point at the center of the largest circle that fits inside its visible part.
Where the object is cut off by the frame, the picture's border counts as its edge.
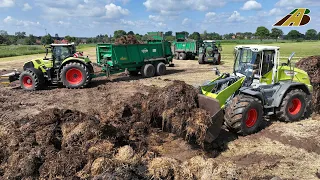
(244, 115)
(148, 70)
(176, 55)
(75, 75)
(30, 81)
(182, 56)
(293, 106)
(161, 69)
(200, 59)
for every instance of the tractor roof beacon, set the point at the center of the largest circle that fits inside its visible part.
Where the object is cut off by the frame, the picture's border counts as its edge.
(259, 86)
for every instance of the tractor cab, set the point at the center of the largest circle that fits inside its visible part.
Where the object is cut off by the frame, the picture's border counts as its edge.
(60, 52)
(256, 62)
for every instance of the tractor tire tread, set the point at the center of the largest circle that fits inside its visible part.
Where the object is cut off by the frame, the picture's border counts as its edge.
(87, 75)
(234, 112)
(37, 84)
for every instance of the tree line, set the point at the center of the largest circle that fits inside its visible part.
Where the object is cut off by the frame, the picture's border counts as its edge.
(261, 33)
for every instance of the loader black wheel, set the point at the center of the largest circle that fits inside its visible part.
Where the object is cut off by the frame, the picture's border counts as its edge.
(244, 115)
(200, 59)
(30, 81)
(293, 106)
(75, 75)
(182, 56)
(148, 70)
(161, 69)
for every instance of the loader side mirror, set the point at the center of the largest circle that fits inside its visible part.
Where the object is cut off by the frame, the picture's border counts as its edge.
(217, 71)
(290, 58)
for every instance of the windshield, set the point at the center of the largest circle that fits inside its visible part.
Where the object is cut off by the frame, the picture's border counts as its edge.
(245, 60)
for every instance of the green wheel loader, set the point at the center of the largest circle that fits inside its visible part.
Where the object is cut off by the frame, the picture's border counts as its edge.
(259, 86)
(210, 52)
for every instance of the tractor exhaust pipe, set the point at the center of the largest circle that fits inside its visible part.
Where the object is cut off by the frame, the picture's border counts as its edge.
(216, 113)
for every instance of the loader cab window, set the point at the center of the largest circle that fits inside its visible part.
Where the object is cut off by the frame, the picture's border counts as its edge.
(60, 53)
(268, 61)
(245, 60)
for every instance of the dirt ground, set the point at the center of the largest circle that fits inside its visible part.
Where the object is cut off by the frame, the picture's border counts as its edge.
(280, 150)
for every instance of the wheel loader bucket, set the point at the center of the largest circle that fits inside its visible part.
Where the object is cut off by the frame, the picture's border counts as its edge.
(216, 113)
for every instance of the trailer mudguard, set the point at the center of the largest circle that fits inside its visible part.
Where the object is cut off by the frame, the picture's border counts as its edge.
(286, 87)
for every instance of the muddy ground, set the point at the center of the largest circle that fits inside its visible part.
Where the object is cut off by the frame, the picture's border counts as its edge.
(283, 150)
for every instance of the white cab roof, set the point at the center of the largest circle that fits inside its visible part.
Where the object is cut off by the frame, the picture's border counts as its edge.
(258, 47)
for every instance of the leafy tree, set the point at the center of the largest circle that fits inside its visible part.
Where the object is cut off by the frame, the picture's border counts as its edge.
(169, 33)
(247, 35)
(3, 33)
(56, 36)
(318, 36)
(130, 33)
(228, 36)
(262, 32)
(311, 34)
(294, 35)
(204, 35)
(30, 40)
(47, 39)
(187, 34)
(119, 33)
(195, 36)
(170, 38)
(2, 40)
(70, 39)
(20, 35)
(276, 33)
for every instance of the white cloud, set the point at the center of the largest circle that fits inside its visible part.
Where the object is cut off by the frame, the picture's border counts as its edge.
(156, 18)
(275, 12)
(236, 17)
(114, 11)
(251, 5)
(7, 3)
(63, 23)
(286, 3)
(26, 7)
(186, 21)
(176, 6)
(125, 22)
(12, 21)
(210, 15)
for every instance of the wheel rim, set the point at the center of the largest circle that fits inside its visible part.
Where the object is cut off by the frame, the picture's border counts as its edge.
(252, 117)
(27, 81)
(295, 106)
(74, 76)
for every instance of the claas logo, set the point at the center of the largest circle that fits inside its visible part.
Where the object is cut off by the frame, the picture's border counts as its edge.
(298, 17)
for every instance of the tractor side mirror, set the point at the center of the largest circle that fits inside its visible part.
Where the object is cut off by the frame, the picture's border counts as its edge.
(216, 70)
(290, 58)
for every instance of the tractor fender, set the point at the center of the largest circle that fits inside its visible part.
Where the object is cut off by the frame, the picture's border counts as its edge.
(285, 88)
(250, 92)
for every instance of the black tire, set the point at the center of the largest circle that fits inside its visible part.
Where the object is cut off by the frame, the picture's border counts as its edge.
(176, 55)
(193, 57)
(182, 56)
(91, 70)
(244, 114)
(133, 73)
(161, 69)
(200, 59)
(217, 59)
(30, 81)
(148, 70)
(75, 75)
(293, 106)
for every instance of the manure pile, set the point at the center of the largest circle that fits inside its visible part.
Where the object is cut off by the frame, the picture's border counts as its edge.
(65, 144)
(127, 39)
(312, 66)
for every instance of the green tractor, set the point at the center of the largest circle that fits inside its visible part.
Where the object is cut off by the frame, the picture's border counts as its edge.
(66, 66)
(210, 52)
(259, 86)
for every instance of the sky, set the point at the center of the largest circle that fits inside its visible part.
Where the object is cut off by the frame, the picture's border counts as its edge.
(88, 18)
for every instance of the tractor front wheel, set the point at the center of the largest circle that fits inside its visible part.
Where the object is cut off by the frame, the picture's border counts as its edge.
(293, 106)
(30, 81)
(244, 115)
(200, 59)
(75, 75)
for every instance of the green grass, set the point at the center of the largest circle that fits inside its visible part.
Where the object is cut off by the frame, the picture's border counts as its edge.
(20, 50)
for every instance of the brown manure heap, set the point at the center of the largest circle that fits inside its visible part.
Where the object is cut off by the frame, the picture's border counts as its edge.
(66, 144)
(312, 66)
(127, 39)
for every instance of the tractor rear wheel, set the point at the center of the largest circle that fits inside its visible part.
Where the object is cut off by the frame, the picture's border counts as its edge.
(293, 106)
(161, 69)
(75, 75)
(182, 56)
(244, 114)
(148, 70)
(30, 81)
(200, 59)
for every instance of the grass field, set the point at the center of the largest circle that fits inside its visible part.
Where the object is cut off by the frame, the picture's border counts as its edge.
(19, 50)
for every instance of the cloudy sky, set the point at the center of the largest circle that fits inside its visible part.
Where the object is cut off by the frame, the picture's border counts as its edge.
(91, 17)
